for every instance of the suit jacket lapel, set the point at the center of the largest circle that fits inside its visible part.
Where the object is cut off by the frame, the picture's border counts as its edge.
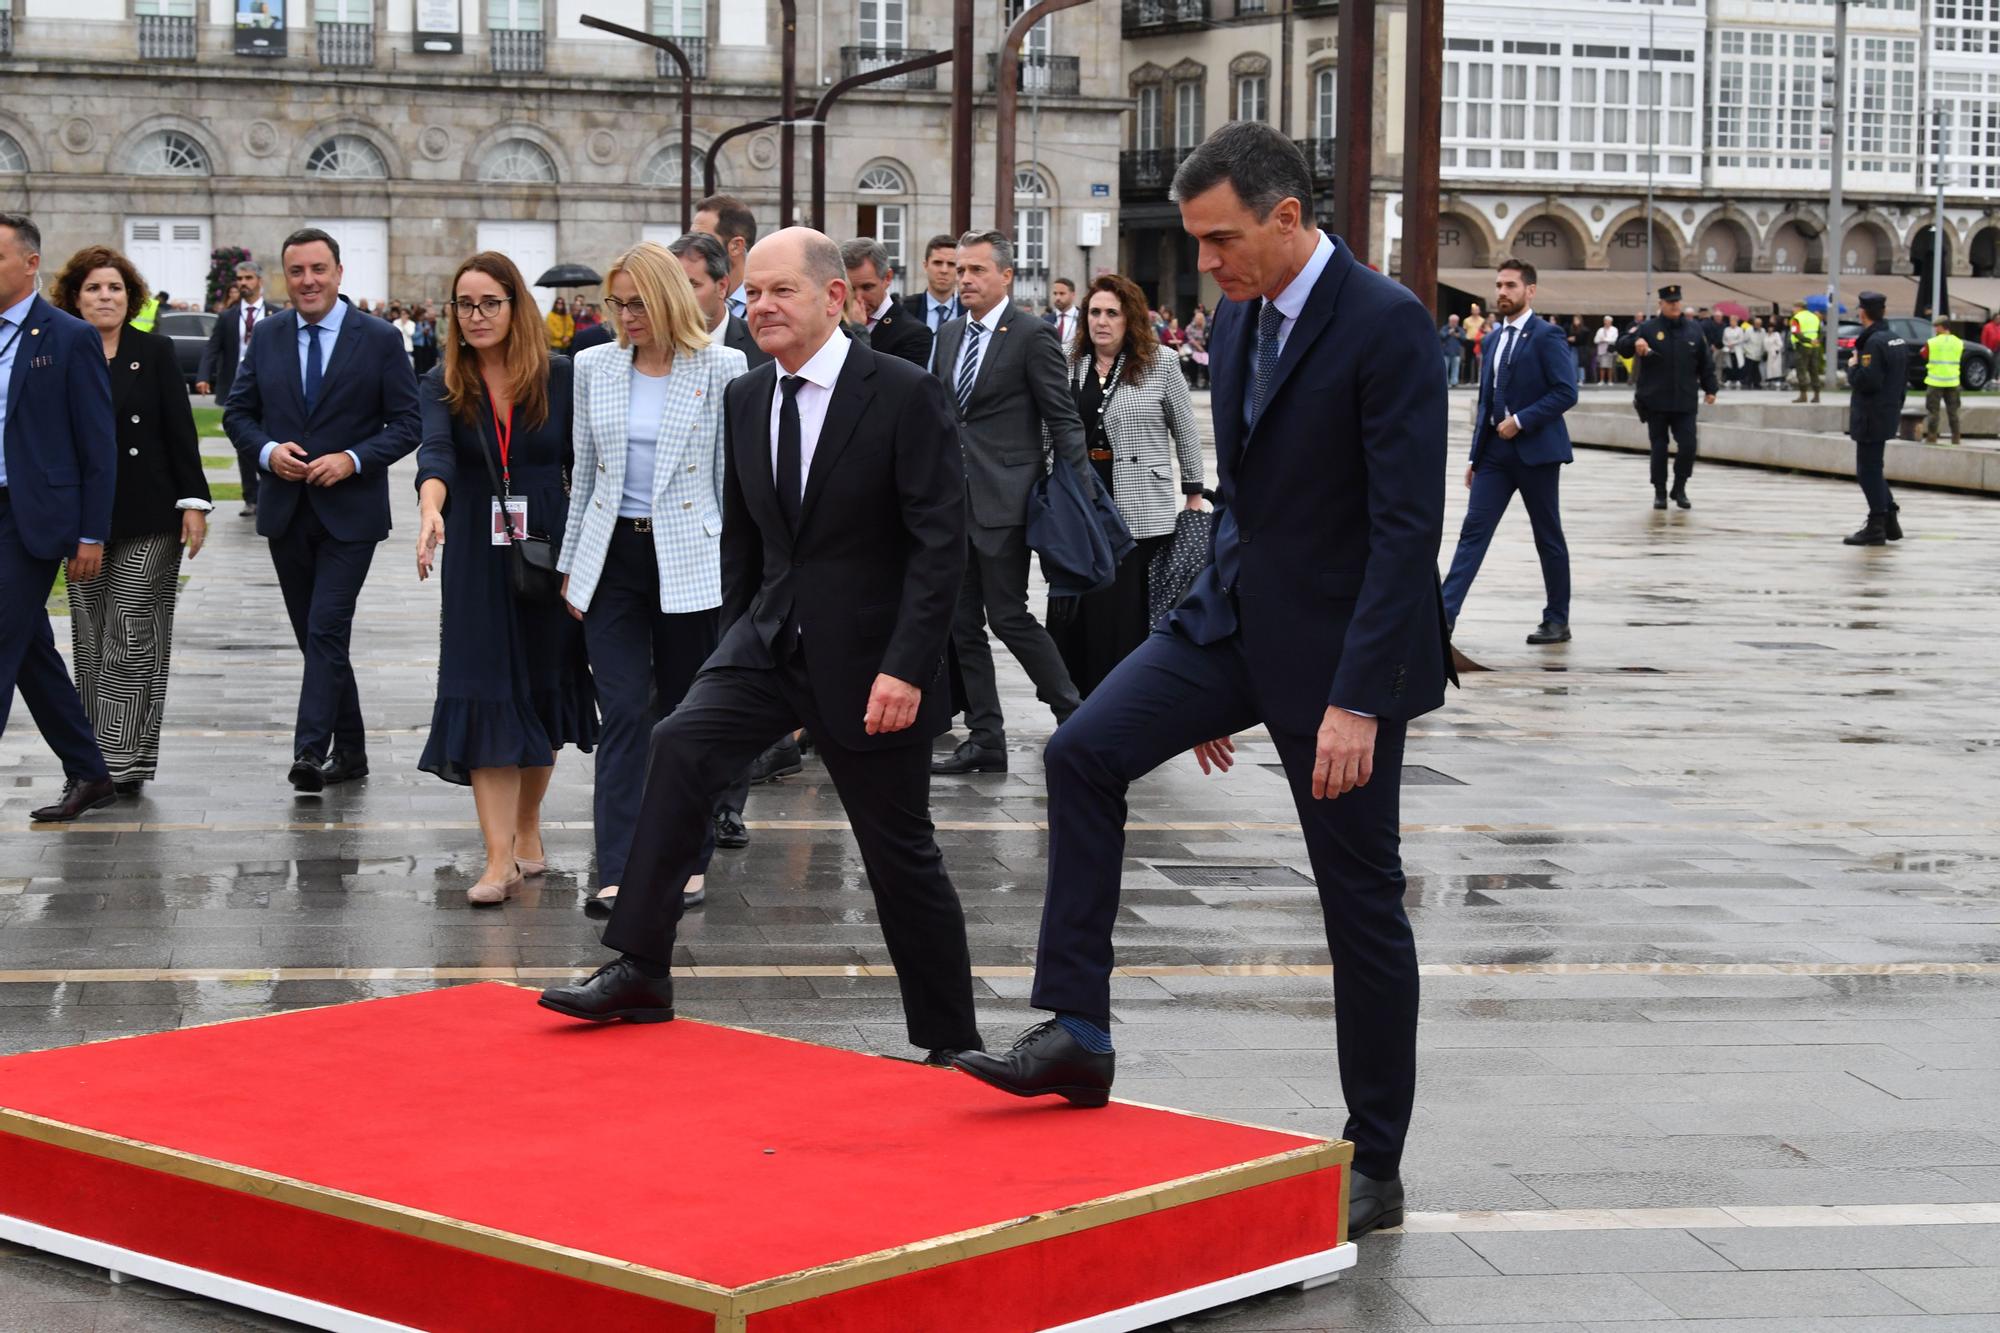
(124, 376)
(287, 349)
(612, 406)
(27, 345)
(993, 341)
(1312, 321)
(1229, 372)
(851, 395)
(752, 460)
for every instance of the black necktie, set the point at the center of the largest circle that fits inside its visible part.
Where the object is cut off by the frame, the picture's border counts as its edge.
(791, 487)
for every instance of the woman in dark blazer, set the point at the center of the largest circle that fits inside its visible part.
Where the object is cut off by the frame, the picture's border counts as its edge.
(513, 684)
(122, 621)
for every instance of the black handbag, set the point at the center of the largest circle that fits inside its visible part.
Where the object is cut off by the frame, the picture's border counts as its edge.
(531, 560)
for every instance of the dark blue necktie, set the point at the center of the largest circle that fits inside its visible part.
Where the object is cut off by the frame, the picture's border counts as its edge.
(313, 367)
(1265, 371)
(1500, 367)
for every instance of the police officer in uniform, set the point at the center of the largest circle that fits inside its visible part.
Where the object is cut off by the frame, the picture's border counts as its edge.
(1808, 355)
(1942, 357)
(1878, 374)
(1673, 362)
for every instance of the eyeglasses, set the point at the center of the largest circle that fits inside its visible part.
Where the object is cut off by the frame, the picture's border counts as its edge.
(635, 308)
(487, 309)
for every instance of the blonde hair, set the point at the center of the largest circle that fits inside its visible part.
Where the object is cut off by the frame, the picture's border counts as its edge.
(526, 347)
(663, 287)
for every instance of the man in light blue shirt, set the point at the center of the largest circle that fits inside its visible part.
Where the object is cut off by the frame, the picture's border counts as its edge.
(57, 468)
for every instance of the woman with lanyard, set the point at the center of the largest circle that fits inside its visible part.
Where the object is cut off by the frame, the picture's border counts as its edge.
(643, 553)
(1138, 423)
(513, 683)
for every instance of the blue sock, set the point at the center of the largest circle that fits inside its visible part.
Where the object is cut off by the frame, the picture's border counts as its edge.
(1089, 1035)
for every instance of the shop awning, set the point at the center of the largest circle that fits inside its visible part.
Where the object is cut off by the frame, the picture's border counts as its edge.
(1594, 291)
(1968, 298)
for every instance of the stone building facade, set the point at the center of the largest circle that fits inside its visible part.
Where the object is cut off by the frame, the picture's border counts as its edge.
(1557, 112)
(418, 131)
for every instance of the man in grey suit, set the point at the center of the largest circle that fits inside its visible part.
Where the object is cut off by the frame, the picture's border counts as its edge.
(1004, 372)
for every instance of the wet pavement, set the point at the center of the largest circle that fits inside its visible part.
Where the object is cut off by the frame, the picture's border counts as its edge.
(1707, 902)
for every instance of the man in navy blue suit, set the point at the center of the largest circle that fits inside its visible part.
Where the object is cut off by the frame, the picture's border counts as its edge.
(1527, 380)
(324, 402)
(58, 460)
(1320, 619)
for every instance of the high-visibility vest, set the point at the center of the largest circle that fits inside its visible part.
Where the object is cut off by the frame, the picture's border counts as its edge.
(143, 321)
(1946, 351)
(1805, 327)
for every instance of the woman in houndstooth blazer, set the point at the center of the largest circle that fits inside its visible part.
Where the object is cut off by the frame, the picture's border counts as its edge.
(642, 556)
(1138, 422)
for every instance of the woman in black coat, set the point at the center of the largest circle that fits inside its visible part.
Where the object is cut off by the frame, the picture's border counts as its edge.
(122, 621)
(514, 685)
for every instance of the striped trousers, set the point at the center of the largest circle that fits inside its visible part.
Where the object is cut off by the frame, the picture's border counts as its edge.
(122, 630)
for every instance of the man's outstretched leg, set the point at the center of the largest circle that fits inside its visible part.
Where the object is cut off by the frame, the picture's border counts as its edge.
(1166, 698)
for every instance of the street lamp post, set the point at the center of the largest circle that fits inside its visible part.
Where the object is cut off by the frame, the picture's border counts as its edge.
(1941, 129)
(1837, 253)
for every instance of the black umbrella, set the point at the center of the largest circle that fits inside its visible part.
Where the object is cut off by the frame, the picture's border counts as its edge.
(569, 275)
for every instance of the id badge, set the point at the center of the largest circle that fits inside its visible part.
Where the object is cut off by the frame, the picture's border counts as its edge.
(517, 519)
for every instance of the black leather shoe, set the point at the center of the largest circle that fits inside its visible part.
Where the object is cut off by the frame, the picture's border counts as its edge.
(1659, 497)
(1871, 533)
(307, 775)
(1045, 1062)
(1549, 632)
(130, 786)
(730, 830)
(1679, 495)
(942, 1057)
(78, 796)
(1892, 528)
(1373, 1205)
(616, 990)
(780, 761)
(341, 766)
(970, 758)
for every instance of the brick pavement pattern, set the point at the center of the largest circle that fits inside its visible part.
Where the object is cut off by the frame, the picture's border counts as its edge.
(1707, 901)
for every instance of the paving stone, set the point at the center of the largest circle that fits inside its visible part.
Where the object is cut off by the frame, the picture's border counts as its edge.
(1835, 1247)
(1945, 1290)
(1477, 1300)
(1525, 1252)
(1787, 1295)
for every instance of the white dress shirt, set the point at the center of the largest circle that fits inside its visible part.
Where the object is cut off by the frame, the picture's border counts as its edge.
(1066, 326)
(1504, 349)
(990, 321)
(820, 374)
(262, 312)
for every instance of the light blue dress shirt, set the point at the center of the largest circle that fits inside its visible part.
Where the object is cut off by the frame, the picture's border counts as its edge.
(648, 407)
(329, 334)
(13, 328)
(1290, 303)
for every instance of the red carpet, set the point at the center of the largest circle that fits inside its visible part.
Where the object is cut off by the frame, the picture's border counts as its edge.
(722, 1156)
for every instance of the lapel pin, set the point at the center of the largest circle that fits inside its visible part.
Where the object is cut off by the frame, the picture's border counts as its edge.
(1001, 329)
(34, 333)
(135, 365)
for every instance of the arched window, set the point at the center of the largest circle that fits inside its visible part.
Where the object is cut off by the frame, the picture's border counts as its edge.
(170, 153)
(518, 160)
(1028, 184)
(11, 156)
(663, 169)
(347, 157)
(882, 179)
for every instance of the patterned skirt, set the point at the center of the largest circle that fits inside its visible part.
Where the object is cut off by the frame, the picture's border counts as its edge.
(122, 629)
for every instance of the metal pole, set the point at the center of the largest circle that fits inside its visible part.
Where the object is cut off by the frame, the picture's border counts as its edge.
(673, 49)
(1423, 121)
(961, 118)
(1937, 220)
(1006, 98)
(1652, 157)
(1830, 326)
(787, 99)
(834, 94)
(1354, 126)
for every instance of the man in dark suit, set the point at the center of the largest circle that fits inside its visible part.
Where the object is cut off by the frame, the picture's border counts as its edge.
(707, 267)
(323, 404)
(843, 532)
(1527, 380)
(1062, 315)
(58, 460)
(892, 330)
(227, 343)
(1320, 619)
(1010, 384)
(939, 304)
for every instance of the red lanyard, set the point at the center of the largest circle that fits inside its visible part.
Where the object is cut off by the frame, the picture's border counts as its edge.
(503, 431)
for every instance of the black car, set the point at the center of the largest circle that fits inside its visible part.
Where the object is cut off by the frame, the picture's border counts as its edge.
(189, 329)
(1975, 370)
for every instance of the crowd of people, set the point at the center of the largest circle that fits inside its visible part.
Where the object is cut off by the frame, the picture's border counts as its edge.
(1753, 351)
